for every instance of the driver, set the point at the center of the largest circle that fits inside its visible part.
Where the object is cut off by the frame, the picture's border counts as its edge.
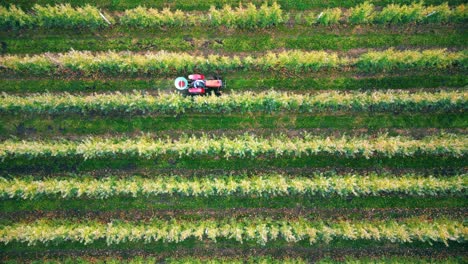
(199, 84)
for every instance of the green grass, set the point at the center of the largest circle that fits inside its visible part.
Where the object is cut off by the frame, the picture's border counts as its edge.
(241, 81)
(53, 164)
(16, 248)
(73, 125)
(241, 259)
(345, 39)
(208, 40)
(237, 43)
(197, 32)
(182, 202)
(204, 5)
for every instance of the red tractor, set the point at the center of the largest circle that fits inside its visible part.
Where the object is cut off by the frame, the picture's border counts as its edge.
(197, 85)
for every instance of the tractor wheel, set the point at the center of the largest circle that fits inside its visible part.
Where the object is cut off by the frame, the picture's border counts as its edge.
(184, 93)
(211, 91)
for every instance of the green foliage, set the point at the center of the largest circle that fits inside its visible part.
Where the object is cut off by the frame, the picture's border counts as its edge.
(245, 146)
(437, 14)
(203, 152)
(271, 16)
(113, 63)
(247, 17)
(58, 16)
(190, 5)
(298, 61)
(329, 16)
(326, 17)
(394, 260)
(37, 65)
(244, 260)
(365, 13)
(14, 18)
(459, 14)
(149, 17)
(310, 18)
(244, 102)
(250, 260)
(256, 230)
(361, 14)
(171, 260)
(265, 185)
(397, 14)
(391, 59)
(66, 16)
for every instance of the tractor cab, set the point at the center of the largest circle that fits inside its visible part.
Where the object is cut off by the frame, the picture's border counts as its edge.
(196, 84)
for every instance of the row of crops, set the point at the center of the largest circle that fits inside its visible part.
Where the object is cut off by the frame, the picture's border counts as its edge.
(243, 102)
(260, 231)
(244, 16)
(146, 147)
(270, 185)
(112, 63)
(363, 160)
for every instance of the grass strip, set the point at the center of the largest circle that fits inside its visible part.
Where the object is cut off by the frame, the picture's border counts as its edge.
(232, 44)
(150, 260)
(264, 185)
(240, 260)
(121, 163)
(7, 218)
(127, 204)
(289, 172)
(240, 82)
(141, 103)
(337, 251)
(200, 33)
(38, 126)
(271, 76)
(256, 230)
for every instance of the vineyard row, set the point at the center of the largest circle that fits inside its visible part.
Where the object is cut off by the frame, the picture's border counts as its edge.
(114, 63)
(243, 16)
(241, 146)
(269, 185)
(243, 102)
(260, 231)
